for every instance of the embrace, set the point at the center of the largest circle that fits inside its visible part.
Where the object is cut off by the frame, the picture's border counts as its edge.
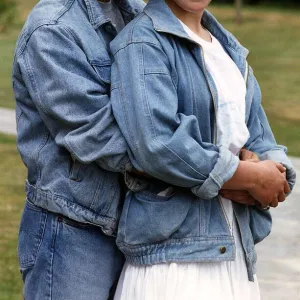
(151, 164)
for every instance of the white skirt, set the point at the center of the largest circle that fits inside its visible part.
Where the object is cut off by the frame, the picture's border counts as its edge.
(191, 281)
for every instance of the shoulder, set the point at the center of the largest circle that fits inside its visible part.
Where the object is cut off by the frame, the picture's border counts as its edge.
(48, 17)
(140, 30)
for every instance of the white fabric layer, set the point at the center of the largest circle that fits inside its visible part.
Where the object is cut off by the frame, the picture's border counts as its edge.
(231, 126)
(204, 281)
(189, 281)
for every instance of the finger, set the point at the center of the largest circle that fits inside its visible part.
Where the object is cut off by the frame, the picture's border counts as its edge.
(234, 192)
(281, 197)
(286, 187)
(243, 199)
(255, 157)
(245, 154)
(274, 203)
(254, 160)
(280, 167)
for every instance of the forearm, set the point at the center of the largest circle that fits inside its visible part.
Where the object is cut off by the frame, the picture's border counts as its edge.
(244, 178)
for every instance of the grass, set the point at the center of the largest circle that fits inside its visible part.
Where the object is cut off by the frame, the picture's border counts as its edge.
(7, 45)
(271, 35)
(12, 174)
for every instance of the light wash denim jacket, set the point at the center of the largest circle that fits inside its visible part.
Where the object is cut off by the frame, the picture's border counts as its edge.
(164, 101)
(66, 130)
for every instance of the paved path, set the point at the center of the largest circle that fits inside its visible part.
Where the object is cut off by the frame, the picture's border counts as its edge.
(278, 255)
(7, 121)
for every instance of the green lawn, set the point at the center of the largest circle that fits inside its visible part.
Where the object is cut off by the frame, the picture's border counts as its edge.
(272, 36)
(12, 175)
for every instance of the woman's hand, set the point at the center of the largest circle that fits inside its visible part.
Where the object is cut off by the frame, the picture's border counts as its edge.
(246, 155)
(263, 192)
(270, 186)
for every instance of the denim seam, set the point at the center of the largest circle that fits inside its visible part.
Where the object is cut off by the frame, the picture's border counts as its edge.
(96, 194)
(195, 108)
(54, 226)
(182, 241)
(143, 42)
(184, 258)
(70, 203)
(31, 262)
(125, 112)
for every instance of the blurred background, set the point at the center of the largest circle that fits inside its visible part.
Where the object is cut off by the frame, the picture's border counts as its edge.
(271, 31)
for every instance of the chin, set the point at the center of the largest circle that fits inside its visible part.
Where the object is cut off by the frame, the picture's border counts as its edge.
(193, 6)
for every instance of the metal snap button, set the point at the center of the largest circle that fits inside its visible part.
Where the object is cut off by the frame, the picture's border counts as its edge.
(223, 250)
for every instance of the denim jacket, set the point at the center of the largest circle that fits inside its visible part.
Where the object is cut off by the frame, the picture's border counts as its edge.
(164, 101)
(67, 135)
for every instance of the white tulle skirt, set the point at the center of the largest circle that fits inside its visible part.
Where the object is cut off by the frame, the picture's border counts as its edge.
(190, 281)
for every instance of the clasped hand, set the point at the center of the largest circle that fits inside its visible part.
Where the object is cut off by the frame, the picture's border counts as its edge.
(269, 188)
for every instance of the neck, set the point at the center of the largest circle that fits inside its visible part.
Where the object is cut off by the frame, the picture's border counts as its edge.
(190, 19)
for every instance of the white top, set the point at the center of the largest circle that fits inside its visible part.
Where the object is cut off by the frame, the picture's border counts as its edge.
(204, 281)
(232, 131)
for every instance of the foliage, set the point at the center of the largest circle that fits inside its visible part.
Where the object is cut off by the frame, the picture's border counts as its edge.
(7, 13)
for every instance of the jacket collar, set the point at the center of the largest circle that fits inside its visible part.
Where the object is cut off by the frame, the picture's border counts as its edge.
(97, 16)
(165, 21)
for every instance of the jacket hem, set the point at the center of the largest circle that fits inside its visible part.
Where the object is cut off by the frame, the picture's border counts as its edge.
(190, 250)
(60, 205)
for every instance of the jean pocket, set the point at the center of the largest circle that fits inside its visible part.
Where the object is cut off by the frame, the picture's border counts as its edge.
(149, 218)
(31, 234)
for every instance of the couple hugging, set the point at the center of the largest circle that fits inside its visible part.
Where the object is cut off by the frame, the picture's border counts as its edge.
(151, 163)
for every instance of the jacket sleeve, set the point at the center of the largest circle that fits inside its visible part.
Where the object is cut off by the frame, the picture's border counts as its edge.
(71, 98)
(262, 140)
(163, 142)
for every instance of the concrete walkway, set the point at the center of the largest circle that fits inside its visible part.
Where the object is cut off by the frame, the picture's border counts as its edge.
(7, 121)
(278, 255)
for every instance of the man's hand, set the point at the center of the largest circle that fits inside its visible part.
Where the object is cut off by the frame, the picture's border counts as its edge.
(242, 197)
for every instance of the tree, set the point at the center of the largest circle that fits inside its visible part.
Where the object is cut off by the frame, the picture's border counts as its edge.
(238, 4)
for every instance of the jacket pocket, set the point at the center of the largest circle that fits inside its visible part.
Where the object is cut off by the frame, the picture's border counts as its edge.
(260, 222)
(31, 234)
(149, 218)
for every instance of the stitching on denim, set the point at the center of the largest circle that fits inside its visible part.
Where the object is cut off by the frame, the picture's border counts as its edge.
(153, 127)
(30, 262)
(179, 241)
(76, 206)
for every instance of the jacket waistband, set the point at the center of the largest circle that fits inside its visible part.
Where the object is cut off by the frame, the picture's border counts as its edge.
(60, 205)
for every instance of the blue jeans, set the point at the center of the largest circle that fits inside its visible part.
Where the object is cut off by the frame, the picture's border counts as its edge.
(64, 260)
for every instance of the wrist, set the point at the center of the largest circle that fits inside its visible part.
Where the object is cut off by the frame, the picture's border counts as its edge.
(246, 177)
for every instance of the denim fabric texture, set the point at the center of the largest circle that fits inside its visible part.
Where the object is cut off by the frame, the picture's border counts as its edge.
(62, 259)
(67, 136)
(164, 101)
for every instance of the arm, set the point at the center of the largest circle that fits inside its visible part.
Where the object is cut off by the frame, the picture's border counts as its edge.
(164, 143)
(71, 98)
(262, 140)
